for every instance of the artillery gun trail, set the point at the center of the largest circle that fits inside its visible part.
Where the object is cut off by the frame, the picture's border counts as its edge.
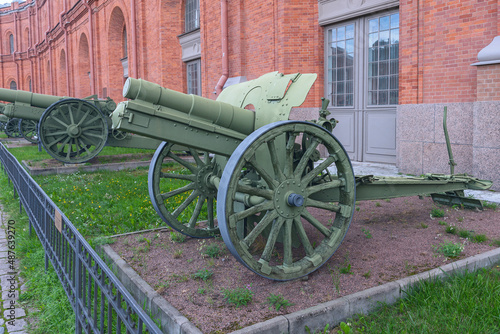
(70, 130)
(281, 193)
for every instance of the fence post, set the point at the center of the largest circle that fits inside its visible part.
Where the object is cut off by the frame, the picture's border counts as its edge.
(78, 327)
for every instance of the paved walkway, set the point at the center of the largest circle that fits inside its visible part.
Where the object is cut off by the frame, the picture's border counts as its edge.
(13, 317)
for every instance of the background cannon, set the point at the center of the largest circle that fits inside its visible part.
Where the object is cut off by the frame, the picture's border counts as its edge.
(71, 130)
(280, 192)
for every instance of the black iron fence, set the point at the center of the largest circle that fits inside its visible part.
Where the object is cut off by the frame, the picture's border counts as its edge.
(101, 303)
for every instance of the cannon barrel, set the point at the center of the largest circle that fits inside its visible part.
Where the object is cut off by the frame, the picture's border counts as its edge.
(33, 99)
(219, 113)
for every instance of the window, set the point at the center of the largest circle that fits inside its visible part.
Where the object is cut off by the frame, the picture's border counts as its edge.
(11, 43)
(341, 66)
(13, 85)
(383, 60)
(124, 39)
(194, 77)
(192, 15)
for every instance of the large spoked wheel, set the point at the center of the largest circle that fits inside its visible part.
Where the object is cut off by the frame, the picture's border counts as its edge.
(28, 129)
(73, 130)
(181, 191)
(12, 128)
(271, 211)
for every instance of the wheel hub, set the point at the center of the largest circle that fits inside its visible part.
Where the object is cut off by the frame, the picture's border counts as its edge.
(289, 198)
(202, 180)
(74, 131)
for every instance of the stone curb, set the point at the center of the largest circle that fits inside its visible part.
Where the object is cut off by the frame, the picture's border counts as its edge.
(315, 318)
(116, 166)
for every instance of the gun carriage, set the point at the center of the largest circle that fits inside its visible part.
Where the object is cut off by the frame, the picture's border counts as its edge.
(280, 192)
(71, 130)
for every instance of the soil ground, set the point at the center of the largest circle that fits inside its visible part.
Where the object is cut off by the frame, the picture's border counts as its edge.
(387, 240)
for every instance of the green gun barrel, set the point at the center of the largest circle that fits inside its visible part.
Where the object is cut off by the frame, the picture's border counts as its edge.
(219, 113)
(32, 99)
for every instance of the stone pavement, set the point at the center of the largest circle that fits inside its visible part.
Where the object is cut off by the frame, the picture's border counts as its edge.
(13, 316)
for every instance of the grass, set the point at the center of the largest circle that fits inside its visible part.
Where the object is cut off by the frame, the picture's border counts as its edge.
(463, 303)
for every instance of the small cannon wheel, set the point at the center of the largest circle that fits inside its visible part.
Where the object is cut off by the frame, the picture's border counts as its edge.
(181, 192)
(28, 129)
(73, 130)
(2, 126)
(285, 230)
(12, 128)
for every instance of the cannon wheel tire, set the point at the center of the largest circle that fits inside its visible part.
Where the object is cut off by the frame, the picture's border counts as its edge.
(285, 238)
(12, 128)
(181, 192)
(73, 130)
(28, 129)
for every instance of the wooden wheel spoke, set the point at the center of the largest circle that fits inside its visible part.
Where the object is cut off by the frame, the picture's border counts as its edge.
(97, 118)
(70, 149)
(316, 223)
(94, 135)
(88, 141)
(178, 191)
(303, 236)
(322, 205)
(210, 212)
(323, 165)
(63, 145)
(287, 243)
(59, 121)
(305, 158)
(323, 186)
(271, 240)
(197, 211)
(261, 226)
(266, 193)
(57, 140)
(70, 112)
(275, 160)
(84, 146)
(290, 147)
(186, 177)
(84, 117)
(186, 164)
(271, 182)
(268, 205)
(185, 204)
(196, 156)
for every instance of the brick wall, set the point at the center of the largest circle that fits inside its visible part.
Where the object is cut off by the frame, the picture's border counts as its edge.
(488, 82)
(440, 39)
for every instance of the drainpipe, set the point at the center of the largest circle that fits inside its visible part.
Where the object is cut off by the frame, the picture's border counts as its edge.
(225, 48)
(91, 47)
(65, 29)
(49, 42)
(16, 32)
(134, 41)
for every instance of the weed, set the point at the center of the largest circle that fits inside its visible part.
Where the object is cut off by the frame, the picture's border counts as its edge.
(449, 249)
(335, 278)
(367, 233)
(378, 205)
(177, 237)
(201, 291)
(460, 219)
(346, 269)
(177, 253)
(477, 238)
(325, 330)
(441, 222)
(495, 242)
(278, 302)
(368, 274)
(387, 200)
(451, 229)
(345, 328)
(437, 213)
(203, 274)
(212, 251)
(422, 225)
(490, 205)
(358, 208)
(464, 234)
(239, 296)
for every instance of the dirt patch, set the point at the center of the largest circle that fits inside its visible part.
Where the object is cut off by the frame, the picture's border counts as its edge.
(98, 160)
(387, 240)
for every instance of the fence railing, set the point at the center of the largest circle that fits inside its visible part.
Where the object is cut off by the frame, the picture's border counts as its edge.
(101, 303)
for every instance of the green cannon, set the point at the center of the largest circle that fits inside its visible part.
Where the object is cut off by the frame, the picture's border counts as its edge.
(71, 130)
(280, 192)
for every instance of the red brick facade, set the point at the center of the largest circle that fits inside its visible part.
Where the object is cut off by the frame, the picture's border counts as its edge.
(63, 50)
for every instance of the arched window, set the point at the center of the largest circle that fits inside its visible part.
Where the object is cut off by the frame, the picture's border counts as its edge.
(13, 85)
(11, 43)
(124, 41)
